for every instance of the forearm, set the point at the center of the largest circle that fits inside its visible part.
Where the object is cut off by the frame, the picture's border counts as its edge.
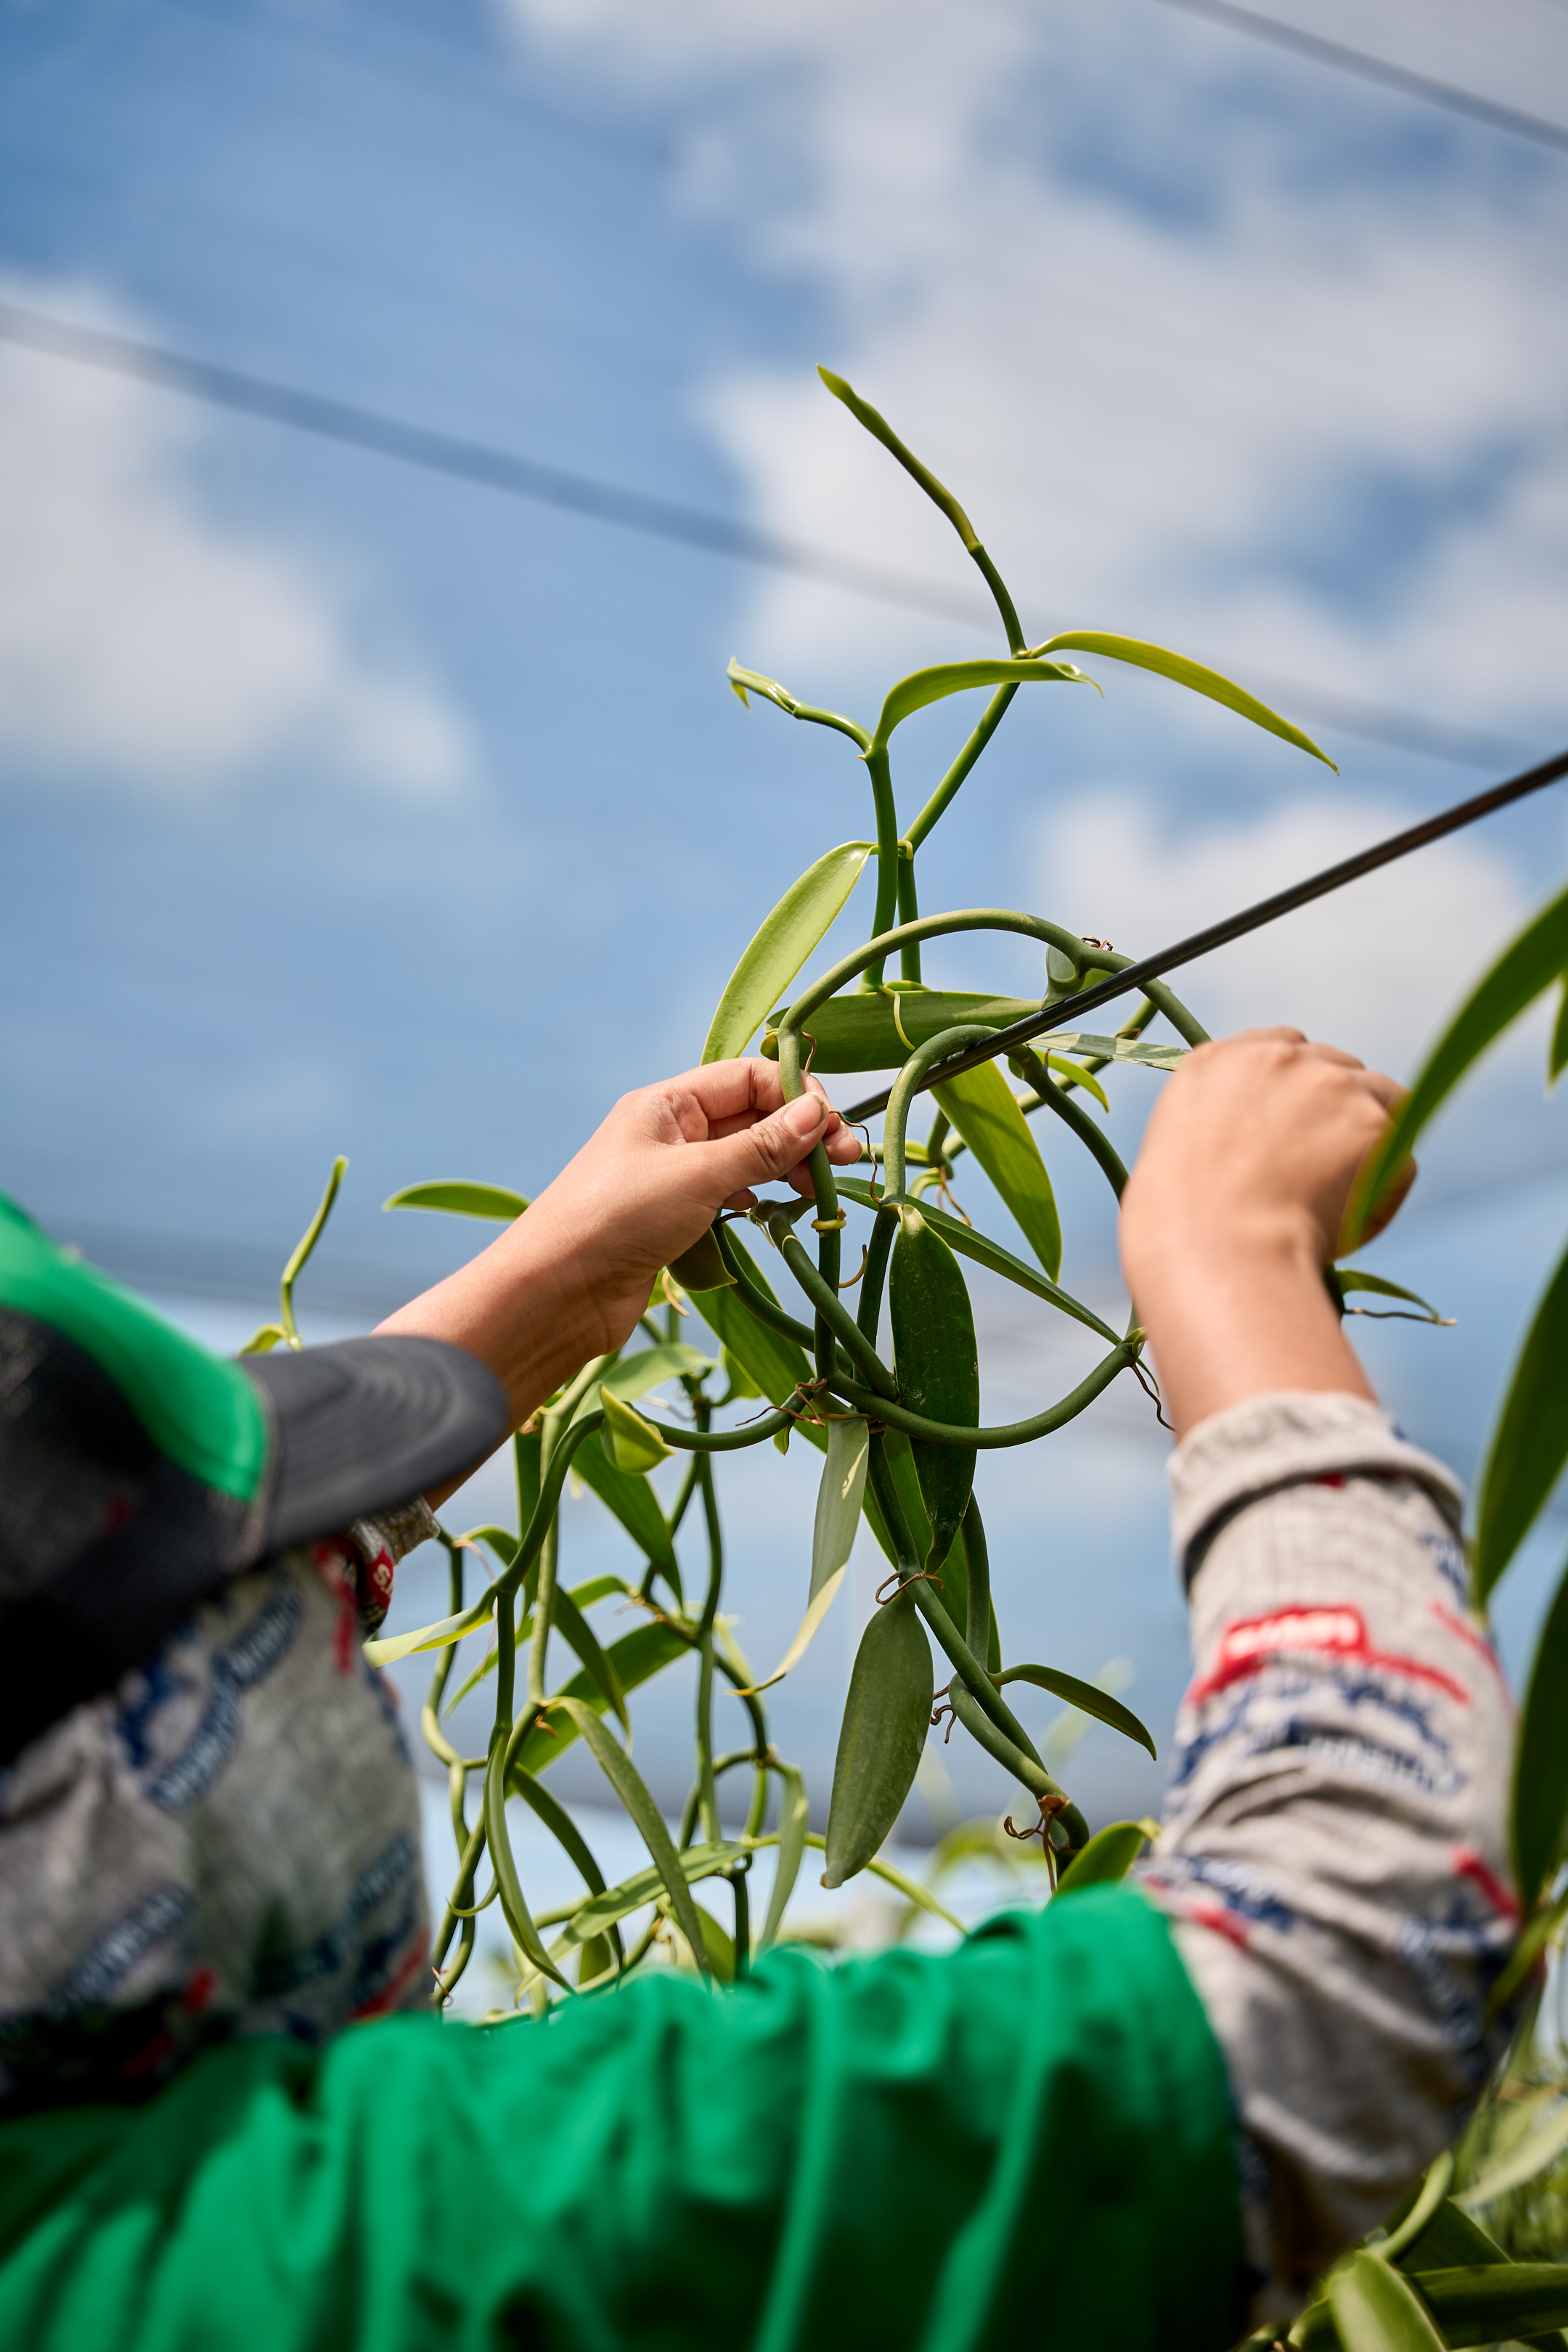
(523, 1307)
(568, 1279)
(1236, 1315)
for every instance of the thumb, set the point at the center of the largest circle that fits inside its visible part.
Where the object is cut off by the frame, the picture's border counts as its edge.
(763, 1153)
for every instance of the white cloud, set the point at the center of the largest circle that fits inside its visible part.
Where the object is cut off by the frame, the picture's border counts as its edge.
(1178, 408)
(1375, 968)
(145, 639)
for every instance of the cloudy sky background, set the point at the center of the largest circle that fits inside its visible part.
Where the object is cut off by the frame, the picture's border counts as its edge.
(347, 808)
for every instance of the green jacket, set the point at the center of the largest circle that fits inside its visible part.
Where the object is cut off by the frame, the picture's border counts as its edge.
(1025, 2142)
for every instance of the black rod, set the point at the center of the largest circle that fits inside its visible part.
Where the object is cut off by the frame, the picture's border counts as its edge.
(1234, 926)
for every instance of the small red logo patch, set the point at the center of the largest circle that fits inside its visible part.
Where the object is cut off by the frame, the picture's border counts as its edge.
(1339, 1631)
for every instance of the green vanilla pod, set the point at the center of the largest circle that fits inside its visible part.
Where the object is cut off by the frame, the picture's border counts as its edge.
(877, 1029)
(881, 1738)
(937, 1369)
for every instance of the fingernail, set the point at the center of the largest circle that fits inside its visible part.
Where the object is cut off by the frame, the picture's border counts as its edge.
(807, 1115)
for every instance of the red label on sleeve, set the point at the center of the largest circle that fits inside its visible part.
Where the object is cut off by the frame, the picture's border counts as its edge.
(1339, 1631)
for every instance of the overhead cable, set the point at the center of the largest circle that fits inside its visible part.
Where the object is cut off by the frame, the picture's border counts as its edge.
(1342, 59)
(490, 468)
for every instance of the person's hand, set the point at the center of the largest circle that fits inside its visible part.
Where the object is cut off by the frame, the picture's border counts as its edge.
(1235, 1206)
(652, 1180)
(569, 1279)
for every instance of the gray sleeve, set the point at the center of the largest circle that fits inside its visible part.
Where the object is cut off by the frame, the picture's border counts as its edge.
(1332, 1850)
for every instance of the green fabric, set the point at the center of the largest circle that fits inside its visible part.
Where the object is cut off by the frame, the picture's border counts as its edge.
(1025, 2142)
(197, 1409)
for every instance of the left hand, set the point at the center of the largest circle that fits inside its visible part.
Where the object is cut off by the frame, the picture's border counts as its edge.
(570, 1278)
(655, 1175)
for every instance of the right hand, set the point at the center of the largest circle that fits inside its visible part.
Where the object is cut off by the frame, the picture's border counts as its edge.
(1235, 1206)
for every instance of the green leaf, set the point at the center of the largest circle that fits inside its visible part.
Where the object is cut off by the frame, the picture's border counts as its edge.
(879, 1029)
(777, 1364)
(1557, 1060)
(928, 685)
(492, 1201)
(502, 1541)
(1530, 1444)
(614, 1904)
(744, 682)
(1540, 1759)
(794, 1820)
(719, 1947)
(803, 916)
(636, 1657)
(1429, 2200)
(937, 1369)
(580, 1638)
(387, 1650)
(598, 1959)
(970, 1244)
(1341, 1279)
(1138, 1050)
(952, 1592)
(528, 1470)
(599, 1587)
(839, 1502)
(1451, 2241)
(509, 1886)
(566, 1833)
(881, 1738)
(630, 1787)
(700, 1267)
(1079, 1075)
(983, 1108)
(630, 1442)
(742, 1384)
(774, 1360)
(1109, 1854)
(633, 1503)
(1376, 2309)
(1522, 2163)
(877, 424)
(262, 1341)
(1480, 2303)
(898, 1454)
(1527, 967)
(634, 1376)
(303, 1250)
(569, 1624)
(1088, 1697)
(1190, 674)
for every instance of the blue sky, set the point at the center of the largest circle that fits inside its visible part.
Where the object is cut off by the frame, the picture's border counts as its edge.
(349, 809)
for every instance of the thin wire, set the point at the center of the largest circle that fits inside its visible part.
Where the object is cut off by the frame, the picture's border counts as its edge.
(500, 470)
(475, 461)
(1452, 95)
(1066, 1013)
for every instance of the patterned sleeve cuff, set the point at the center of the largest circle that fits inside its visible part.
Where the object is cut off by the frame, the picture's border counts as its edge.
(1276, 1441)
(380, 1542)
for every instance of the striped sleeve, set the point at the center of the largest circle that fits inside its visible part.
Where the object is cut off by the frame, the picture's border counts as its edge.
(1333, 1852)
